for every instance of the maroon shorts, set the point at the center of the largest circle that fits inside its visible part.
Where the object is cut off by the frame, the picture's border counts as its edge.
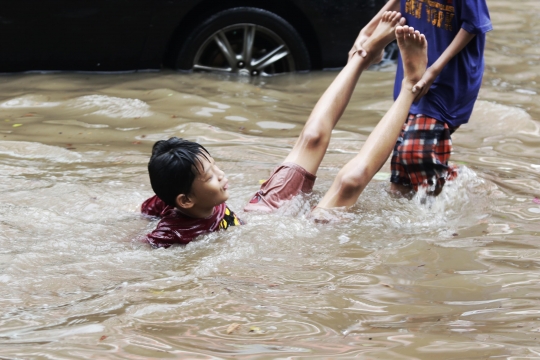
(287, 181)
(421, 154)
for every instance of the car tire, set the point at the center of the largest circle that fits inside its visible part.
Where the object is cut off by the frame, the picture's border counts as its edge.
(245, 41)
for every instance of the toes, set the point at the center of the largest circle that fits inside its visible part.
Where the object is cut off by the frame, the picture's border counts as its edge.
(408, 30)
(390, 16)
(397, 19)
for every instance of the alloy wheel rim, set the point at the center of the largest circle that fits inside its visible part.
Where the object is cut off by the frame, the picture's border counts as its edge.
(245, 49)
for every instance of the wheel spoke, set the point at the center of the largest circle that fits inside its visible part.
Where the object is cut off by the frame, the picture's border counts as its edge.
(210, 68)
(275, 55)
(249, 39)
(243, 49)
(221, 40)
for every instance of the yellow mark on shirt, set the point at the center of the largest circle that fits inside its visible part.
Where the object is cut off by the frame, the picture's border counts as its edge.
(439, 15)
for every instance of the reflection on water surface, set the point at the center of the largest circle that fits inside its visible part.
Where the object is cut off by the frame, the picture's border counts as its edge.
(457, 277)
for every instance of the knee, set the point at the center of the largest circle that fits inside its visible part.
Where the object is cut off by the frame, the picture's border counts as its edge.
(352, 183)
(314, 138)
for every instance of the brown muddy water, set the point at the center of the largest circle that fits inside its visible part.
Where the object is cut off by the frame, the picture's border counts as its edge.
(453, 278)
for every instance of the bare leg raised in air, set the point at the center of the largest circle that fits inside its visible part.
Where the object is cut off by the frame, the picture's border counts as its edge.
(313, 141)
(297, 173)
(357, 173)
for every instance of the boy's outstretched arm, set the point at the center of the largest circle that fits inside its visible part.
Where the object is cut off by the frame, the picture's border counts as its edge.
(356, 174)
(313, 141)
(365, 33)
(460, 41)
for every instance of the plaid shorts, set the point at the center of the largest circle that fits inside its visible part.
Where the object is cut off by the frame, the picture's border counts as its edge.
(422, 152)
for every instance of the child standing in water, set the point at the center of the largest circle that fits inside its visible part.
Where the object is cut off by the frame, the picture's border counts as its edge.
(445, 96)
(191, 190)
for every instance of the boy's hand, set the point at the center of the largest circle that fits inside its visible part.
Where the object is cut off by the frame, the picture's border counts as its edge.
(365, 33)
(460, 41)
(358, 47)
(421, 88)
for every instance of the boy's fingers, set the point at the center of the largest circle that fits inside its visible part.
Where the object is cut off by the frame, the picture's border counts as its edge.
(360, 52)
(418, 87)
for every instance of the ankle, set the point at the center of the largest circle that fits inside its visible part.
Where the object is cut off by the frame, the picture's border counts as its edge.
(408, 84)
(372, 48)
(373, 54)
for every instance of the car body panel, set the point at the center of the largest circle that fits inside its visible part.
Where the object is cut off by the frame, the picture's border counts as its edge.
(113, 35)
(73, 35)
(336, 24)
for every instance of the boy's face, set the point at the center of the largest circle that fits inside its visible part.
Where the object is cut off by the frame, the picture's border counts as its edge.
(210, 185)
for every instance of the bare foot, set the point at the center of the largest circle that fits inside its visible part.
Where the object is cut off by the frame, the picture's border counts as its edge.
(327, 216)
(383, 34)
(413, 48)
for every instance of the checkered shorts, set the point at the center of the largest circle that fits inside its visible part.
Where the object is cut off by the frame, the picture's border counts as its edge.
(421, 154)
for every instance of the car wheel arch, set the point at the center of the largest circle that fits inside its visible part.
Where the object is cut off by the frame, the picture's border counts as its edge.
(206, 9)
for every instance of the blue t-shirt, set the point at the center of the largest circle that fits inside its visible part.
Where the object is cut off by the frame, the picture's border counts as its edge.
(453, 94)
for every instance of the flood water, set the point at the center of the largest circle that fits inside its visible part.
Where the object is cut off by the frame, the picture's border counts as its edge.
(453, 278)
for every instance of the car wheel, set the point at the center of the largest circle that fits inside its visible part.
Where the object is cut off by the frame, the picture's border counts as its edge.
(244, 41)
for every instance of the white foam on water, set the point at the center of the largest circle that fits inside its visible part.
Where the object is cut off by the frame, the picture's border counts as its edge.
(47, 335)
(28, 101)
(236, 118)
(380, 220)
(525, 91)
(219, 105)
(31, 150)
(275, 125)
(462, 201)
(76, 123)
(206, 111)
(491, 121)
(112, 107)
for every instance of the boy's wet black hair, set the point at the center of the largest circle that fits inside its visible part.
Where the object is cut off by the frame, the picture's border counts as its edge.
(173, 167)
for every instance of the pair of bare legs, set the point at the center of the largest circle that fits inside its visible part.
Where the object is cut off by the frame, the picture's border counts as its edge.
(314, 139)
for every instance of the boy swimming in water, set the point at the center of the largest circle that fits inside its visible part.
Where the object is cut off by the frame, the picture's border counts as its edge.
(191, 190)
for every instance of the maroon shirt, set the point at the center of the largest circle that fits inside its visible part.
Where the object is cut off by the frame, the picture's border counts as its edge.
(178, 228)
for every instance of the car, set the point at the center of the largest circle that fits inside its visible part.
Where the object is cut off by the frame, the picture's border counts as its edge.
(246, 37)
